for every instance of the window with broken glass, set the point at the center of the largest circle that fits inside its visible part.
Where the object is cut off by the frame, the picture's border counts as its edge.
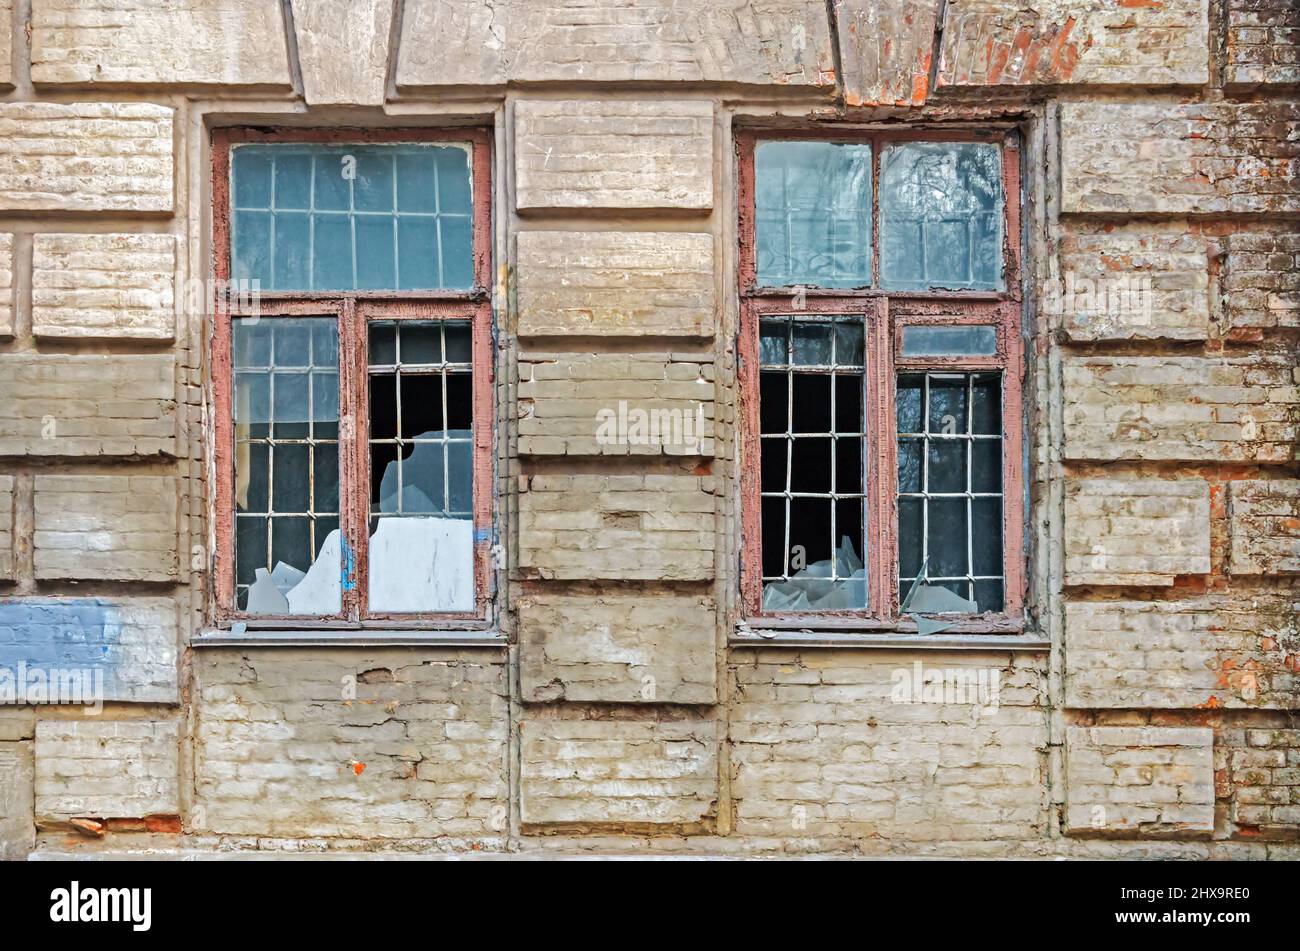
(881, 363)
(352, 374)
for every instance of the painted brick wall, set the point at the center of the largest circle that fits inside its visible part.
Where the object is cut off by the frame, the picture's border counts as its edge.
(364, 745)
(887, 748)
(114, 286)
(618, 527)
(1156, 781)
(87, 405)
(580, 404)
(86, 157)
(104, 769)
(1159, 160)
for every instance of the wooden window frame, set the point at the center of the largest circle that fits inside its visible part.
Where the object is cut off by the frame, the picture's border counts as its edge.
(353, 311)
(885, 313)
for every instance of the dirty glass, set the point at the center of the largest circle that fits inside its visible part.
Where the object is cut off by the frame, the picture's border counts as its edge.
(286, 416)
(811, 430)
(950, 341)
(941, 216)
(351, 217)
(950, 484)
(421, 466)
(813, 214)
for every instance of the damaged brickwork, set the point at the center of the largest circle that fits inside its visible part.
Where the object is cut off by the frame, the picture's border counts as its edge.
(615, 697)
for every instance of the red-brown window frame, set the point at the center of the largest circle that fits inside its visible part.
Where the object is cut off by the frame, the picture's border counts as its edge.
(354, 310)
(885, 313)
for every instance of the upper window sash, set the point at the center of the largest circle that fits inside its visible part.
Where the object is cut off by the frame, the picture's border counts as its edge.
(929, 213)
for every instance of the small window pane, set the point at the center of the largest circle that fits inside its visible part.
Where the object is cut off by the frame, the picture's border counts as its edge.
(288, 548)
(941, 207)
(954, 341)
(376, 217)
(810, 412)
(950, 485)
(421, 470)
(813, 211)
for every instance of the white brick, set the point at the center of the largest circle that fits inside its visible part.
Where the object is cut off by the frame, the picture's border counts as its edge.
(616, 283)
(86, 156)
(119, 286)
(1181, 408)
(618, 771)
(1074, 42)
(106, 527)
(455, 42)
(107, 769)
(1264, 526)
(145, 42)
(1136, 531)
(658, 648)
(1148, 781)
(6, 284)
(88, 404)
(584, 154)
(6, 528)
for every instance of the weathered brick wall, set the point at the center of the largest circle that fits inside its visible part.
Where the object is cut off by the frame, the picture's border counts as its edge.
(890, 748)
(1160, 163)
(106, 769)
(1153, 781)
(386, 744)
(1261, 42)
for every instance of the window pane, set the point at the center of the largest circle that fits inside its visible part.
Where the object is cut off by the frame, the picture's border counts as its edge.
(950, 485)
(813, 214)
(288, 548)
(347, 217)
(954, 341)
(421, 469)
(810, 477)
(941, 216)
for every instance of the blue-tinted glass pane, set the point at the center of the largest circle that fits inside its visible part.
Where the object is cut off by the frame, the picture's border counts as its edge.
(941, 208)
(453, 181)
(340, 217)
(292, 241)
(417, 243)
(333, 185)
(417, 188)
(292, 181)
(457, 253)
(374, 182)
(953, 341)
(252, 179)
(332, 253)
(813, 204)
(375, 252)
(251, 237)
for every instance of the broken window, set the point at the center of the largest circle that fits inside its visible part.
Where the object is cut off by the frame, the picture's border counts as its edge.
(881, 468)
(811, 423)
(358, 393)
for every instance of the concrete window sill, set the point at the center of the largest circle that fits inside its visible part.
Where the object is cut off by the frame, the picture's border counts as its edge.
(902, 639)
(265, 637)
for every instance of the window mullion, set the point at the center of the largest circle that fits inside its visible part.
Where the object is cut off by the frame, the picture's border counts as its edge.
(354, 494)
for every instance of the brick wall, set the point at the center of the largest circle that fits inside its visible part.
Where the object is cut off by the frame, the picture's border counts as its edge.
(619, 692)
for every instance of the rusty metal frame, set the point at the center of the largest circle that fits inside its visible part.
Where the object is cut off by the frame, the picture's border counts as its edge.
(353, 309)
(885, 314)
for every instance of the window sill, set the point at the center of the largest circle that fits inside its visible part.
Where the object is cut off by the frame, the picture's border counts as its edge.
(970, 635)
(349, 638)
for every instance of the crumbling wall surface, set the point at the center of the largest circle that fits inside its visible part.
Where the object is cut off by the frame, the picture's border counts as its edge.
(621, 700)
(330, 744)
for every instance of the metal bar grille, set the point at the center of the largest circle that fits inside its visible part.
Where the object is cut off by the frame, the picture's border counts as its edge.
(421, 418)
(287, 446)
(812, 446)
(950, 483)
